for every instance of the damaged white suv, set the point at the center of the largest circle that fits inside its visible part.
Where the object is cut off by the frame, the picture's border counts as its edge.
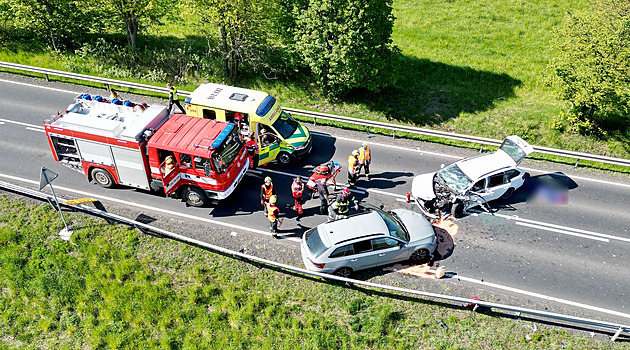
(472, 181)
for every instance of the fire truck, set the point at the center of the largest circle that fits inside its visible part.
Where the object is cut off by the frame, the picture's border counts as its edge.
(136, 145)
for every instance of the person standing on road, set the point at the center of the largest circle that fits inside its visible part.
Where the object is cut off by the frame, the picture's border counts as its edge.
(365, 158)
(266, 191)
(173, 99)
(113, 94)
(353, 165)
(322, 192)
(297, 189)
(273, 214)
(252, 150)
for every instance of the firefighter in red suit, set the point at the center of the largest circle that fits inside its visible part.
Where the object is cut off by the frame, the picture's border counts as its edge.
(252, 150)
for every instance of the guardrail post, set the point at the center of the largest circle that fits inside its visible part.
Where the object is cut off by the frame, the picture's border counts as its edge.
(576, 164)
(394, 134)
(314, 121)
(47, 78)
(616, 334)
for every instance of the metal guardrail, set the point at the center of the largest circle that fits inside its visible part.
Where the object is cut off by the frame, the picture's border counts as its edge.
(336, 118)
(619, 329)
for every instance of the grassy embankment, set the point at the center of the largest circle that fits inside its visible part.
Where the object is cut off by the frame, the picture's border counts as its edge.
(471, 67)
(112, 287)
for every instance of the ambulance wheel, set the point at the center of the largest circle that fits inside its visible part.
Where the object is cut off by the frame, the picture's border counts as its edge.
(102, 177)
(284, 158)
(195, 197)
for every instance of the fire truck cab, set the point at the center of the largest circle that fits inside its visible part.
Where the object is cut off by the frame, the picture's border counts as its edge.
(141, 146)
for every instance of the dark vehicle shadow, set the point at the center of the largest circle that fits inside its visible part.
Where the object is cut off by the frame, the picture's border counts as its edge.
(552, 188)
(383, 180)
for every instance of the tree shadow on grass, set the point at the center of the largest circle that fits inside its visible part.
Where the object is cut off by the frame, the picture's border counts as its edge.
(430, 93)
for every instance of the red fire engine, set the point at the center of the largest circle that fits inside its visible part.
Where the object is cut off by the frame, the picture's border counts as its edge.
(141, 146)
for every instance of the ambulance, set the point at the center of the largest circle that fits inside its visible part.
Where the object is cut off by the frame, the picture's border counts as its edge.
(278, 135)
(136, 145)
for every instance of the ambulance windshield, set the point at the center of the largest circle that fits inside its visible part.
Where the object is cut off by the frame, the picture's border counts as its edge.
(223, 155)
(285, 125)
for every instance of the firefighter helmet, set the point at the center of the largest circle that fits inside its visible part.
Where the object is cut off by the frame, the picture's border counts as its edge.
(267, 180)
(355, 152)
(345, 192)
(364, 145)
(273, 199)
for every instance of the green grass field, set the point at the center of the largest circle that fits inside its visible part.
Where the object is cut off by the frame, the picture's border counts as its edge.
(471, 67)
(111, 287)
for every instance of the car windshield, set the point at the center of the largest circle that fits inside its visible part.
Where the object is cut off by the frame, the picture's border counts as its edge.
(285, 125)
(223, 156)
(394, 225)
(314, 241)
(455, 179)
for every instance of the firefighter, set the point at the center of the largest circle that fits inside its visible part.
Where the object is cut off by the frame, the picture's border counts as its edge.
(113, 94)
(170, 164)
(173, 99)
(365, 158)
(341, 207)
(266, 191)
(297, 188)
(252, 150)
(353, 167)
(273, 214)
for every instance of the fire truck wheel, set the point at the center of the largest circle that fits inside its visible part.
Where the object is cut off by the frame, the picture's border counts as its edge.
(284, 158)
(195, 197)
(102, 177)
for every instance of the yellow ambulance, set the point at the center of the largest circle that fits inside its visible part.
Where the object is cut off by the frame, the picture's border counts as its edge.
(278, 135)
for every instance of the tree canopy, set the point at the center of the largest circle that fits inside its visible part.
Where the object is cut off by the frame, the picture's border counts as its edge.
(592, 65)
(346, 43)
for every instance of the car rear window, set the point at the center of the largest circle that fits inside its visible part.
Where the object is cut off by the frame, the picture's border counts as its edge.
(314, 242)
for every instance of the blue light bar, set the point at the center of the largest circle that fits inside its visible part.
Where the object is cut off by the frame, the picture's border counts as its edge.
(219, 140)
(187, 100)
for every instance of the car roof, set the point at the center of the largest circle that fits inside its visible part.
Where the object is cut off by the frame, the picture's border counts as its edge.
(482, 165)
(362, 225)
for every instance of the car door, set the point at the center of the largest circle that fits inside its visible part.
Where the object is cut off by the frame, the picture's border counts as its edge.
(363, 255)
(496, 186)
(389, 250)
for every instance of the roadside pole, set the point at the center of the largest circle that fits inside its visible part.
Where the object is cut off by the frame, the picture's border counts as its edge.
(45, 179)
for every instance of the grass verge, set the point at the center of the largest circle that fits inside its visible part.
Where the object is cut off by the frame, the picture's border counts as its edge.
(112, 287)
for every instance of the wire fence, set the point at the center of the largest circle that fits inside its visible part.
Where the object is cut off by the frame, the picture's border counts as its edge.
(331, 117)
(568, 320)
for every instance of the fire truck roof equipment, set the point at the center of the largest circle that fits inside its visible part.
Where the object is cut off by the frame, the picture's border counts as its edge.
(203, 136)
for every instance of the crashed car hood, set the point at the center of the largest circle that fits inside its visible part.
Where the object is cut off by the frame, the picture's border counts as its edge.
(418, 226)
(422, 187)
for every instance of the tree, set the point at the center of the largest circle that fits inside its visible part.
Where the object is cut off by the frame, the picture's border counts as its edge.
(347, 43)
(59, 22)
(592, 65)
(244, 30)
(134, 14)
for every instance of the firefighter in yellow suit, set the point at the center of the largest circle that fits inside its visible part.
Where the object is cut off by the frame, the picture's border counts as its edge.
(273, 214)
(353, 168)
(365, 158)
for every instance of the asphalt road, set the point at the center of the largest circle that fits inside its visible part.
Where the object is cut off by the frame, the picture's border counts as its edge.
(577, 252)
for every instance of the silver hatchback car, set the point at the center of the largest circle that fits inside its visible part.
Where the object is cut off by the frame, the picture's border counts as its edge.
(366, 240)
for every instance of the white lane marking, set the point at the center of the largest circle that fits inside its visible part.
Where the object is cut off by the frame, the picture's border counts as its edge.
(164, 211)
(541, 296)
(417, 150)
(562, 231)
(257, 172)
(35, 129)
(1, 123)
(535, 224)
(21, 124)
(40, 87)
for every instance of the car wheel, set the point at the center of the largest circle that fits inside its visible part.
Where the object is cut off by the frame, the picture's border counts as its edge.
(102, 177)
(508, 193)
(457, 209)
(195, 197)
(284, 158)
(421, 256)
(343, 272)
